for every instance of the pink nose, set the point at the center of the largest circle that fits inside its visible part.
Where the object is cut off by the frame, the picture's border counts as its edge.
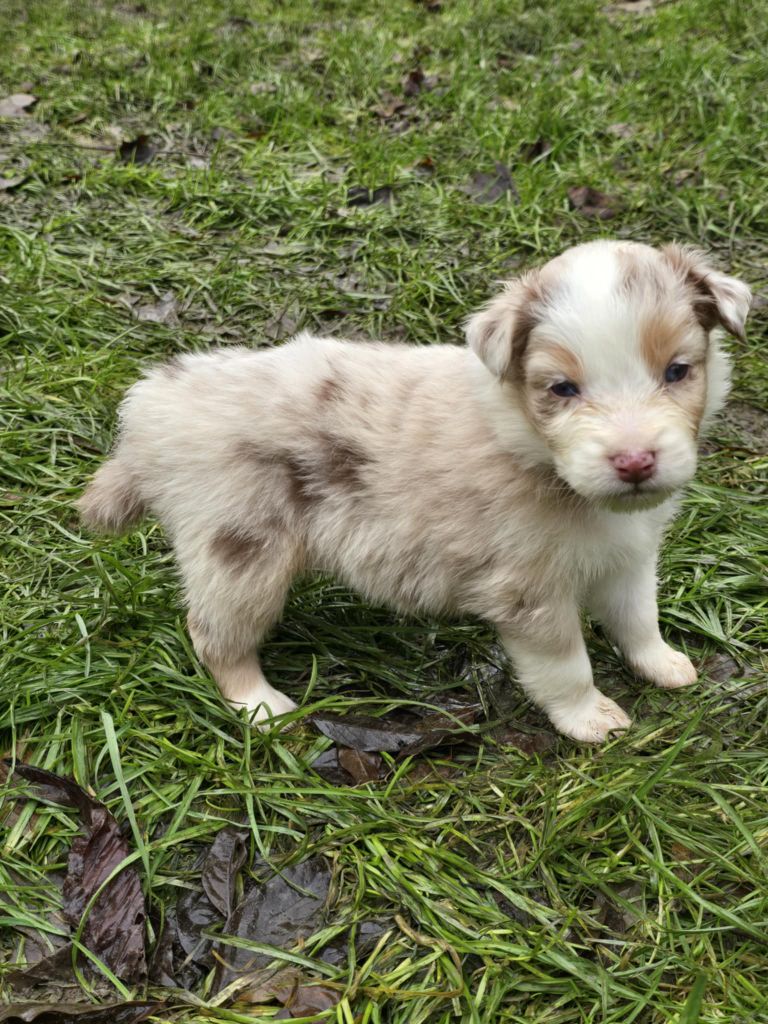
(634, 467)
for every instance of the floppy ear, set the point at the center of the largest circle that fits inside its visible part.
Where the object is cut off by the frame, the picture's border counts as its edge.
(718, 300)
(498, 333)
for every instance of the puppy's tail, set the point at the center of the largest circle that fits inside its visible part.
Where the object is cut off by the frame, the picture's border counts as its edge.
(112, 502)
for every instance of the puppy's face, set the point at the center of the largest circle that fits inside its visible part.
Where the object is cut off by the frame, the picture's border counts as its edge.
(608, 349)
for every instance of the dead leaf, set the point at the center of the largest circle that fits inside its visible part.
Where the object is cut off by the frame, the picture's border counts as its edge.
(194, 915)
(277, 913)
(138, 151)
(363, 766)
(114, 929)
(390, 106)
(359, 195)
(266, 986)
(164, 311)
(222, 863)
(8, 184)
(526, 742)
(591, 203)
(416, 81)
(488, 186)
(425, 167)
(621, 130)
(687, 863)
(309, 999)
(367, 934)
(17, 105)
(78, 1013)
(616, 917)
(533, 151)
(396, 734)
(284, 323)
(720, 668)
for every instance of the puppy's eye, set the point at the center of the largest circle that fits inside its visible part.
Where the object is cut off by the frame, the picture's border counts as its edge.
(565, 389)
(676, 372)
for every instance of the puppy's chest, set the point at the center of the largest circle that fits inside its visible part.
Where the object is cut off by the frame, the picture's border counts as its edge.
(574, 549)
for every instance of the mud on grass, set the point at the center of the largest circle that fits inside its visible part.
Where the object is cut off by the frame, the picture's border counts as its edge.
(186, 176)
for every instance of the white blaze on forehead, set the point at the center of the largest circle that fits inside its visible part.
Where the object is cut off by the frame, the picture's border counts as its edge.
(592, 314)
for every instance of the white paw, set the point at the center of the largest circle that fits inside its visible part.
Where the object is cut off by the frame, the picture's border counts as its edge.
(665, 667)
(590, 720)
(264, 705)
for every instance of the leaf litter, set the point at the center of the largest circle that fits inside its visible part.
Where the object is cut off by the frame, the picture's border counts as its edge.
(489, 186)
(114, 928)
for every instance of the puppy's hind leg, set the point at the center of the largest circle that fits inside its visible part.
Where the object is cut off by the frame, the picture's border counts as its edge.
(236, 584)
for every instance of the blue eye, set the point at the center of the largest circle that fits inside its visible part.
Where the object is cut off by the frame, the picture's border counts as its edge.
(675, 372)
(565, 389)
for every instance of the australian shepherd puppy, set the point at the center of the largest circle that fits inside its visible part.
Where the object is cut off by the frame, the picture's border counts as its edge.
(522, 479)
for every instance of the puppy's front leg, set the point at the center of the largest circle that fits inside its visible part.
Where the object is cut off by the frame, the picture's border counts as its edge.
(625, 602)
(548, 652)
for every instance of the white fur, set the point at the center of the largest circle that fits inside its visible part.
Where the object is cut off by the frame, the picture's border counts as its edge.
(432, 480)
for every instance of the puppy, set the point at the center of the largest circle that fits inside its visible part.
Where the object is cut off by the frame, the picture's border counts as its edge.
(520, 479)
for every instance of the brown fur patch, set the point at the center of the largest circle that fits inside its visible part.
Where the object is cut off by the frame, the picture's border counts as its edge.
(343, 462)
(331, 390)
(562, 360)
(235, 549)
(660, 338)
(313, 473)
(691, 268)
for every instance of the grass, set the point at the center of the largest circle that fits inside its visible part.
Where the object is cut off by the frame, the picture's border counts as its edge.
(625, 884)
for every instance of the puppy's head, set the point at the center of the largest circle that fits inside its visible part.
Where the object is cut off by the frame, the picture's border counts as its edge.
(609, 349)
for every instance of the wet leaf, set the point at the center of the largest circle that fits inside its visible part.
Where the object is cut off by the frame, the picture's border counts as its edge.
(720, 668)
(194, 914)
(362, 765)
(328, 768)
(359, 195)
(397, 735)
(266, 986)
(309, 999)
(74, 1013)
(367, 934)
(114, 929)
(222, 863)
(592, 203)
(164, 311)
(138, 151)
(17, 105)
(527, 742)
(276, 913)
(488, 186)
